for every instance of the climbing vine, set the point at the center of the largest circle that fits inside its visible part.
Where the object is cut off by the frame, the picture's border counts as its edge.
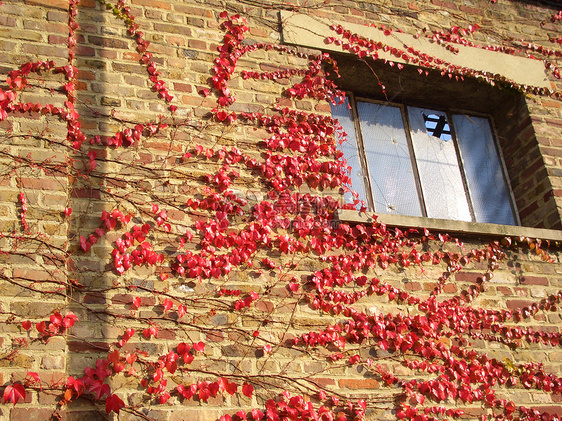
(287, 236)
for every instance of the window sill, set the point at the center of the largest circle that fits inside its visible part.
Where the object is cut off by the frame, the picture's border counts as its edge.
(449, 226)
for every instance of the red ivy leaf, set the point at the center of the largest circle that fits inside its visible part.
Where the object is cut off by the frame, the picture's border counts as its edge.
(113, 357)
(114, 403)
(199, 346)
(257, 415)
(247, 390)
(231, 388)
(168, 304)
(40, 327)
(183, 348)
(14, 393)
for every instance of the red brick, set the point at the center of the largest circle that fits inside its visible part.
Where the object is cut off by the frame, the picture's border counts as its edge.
(528, 210)
(214, 336)
(86, 75)
(32, 275)
(412, 286)
(7, 21)
(518, 304)
(87, 3)
(173, 40)
(471, 10)
(183, 87)
(131, 55)
(145, 158)
(43, 183)
(84, 51)
(108, 42)
(533, 280)
(86, 192)
(259, 32)
(505, 290)
(359, 383)
(153, 3)
(265, 306)
(81, 86)
(58, 39)
(166, 334)
(445, 4)
(172, 29)
(45, 50)
(60, 4)
(191, 10)
(552, 409)
(532, 168)
(94, 298)
(450, 288)
(467, 277)
(200, 45)
(549, 103)
(554, 122)
(26, 414)
(83, 346)
(324, 382)
(472, 413)
(111, 54)
(323, 108)
(122, 299)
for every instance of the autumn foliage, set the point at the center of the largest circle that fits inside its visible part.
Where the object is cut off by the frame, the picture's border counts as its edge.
(200, 268)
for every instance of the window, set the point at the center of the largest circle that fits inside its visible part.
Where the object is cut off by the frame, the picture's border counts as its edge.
(423, 162)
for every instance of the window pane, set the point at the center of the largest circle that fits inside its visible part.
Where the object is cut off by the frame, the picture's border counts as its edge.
(440, 176)
(349, 149)
(388, 159)
(486, 184)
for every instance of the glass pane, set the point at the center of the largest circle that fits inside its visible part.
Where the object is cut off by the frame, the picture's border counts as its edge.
(438, 167)
(349, 149)
(388, 159)
(486, 184)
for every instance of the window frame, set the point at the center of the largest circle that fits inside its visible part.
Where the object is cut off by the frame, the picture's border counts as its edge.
(449, 112)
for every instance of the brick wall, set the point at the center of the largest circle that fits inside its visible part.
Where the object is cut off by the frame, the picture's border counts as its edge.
(47, 269)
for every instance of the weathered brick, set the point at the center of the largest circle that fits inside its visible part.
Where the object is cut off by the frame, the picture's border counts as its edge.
(518, 304)
(359, 384)
(7, 21)
(533, 280)
(59, 4)
(197, 44)
(445, 4)
(108, 42)
(153, 3)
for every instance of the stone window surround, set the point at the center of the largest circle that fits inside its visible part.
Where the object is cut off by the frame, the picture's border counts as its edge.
(450, 226)
(310, 32)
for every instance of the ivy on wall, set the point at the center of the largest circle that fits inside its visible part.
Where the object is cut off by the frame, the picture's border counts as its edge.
(278, 233)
